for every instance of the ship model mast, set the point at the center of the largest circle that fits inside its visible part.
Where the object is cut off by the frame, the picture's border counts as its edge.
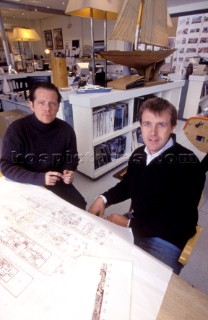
(147, 19)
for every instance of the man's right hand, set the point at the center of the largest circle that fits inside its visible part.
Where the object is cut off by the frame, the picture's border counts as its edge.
(52, 177)
(97, 207)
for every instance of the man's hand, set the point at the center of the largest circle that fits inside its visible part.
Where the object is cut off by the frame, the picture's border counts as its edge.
(97, 207)
(68, 176)
(52, 177)
(118, 219)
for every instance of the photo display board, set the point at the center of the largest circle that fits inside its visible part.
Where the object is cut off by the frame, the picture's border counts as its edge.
(191, 39)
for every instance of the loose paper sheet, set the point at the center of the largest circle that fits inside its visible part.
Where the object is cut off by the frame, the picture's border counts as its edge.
(46, 251)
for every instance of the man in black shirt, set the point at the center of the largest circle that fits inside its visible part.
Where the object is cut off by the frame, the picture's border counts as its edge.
(164, 181)
(41, 149)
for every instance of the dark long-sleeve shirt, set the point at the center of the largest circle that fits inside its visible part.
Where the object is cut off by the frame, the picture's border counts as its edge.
(204, 163)
(31, 148)
(165, 194)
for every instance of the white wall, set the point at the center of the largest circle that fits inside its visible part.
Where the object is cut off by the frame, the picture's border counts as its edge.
(182, 8)
(76, 28)
(73, 28)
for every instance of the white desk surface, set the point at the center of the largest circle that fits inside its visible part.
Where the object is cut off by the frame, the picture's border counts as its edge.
(43, 240)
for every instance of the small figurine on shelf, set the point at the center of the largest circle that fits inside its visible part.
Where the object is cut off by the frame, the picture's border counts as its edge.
(6, 88)
(82, 81)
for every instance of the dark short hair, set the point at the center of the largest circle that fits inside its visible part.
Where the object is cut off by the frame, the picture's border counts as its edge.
(157, 105)
(44, 85)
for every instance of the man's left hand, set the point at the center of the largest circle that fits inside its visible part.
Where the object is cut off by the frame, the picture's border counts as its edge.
(68, 176)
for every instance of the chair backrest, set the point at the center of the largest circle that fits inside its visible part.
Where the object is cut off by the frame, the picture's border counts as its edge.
(187, 250)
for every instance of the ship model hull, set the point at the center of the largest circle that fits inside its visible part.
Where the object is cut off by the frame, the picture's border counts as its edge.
(147, 63)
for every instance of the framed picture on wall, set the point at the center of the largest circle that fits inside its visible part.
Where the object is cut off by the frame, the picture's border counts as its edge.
(58, 39)
(48, 39)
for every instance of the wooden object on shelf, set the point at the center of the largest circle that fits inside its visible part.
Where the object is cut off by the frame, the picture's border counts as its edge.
(59, 69)
(196, 130)
(127, 82)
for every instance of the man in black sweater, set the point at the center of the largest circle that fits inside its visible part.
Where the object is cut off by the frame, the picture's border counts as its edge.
(164, 181)
(41, 149)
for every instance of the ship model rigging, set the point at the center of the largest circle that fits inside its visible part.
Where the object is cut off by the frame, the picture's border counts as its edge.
(147, 21)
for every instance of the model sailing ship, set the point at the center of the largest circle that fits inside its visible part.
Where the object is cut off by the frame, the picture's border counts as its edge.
(148, 20)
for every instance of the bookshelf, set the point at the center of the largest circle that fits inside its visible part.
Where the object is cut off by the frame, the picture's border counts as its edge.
(84, 107)
(197, 95)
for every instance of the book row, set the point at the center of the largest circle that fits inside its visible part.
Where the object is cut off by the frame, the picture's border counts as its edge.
(109, 118)
(111, 149)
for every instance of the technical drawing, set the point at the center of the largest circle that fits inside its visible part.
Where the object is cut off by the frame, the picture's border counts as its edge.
(13, 278)
(24, 247)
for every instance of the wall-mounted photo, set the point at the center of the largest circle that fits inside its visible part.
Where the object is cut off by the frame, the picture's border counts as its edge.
(58, 39)
(48, 39)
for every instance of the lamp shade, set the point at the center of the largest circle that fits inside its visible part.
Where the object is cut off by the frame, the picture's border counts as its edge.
(24, 34)
(100, 9)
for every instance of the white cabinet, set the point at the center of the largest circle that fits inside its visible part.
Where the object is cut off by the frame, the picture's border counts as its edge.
(83, 106)
(197, 95)
(65, 108)
(12, 105)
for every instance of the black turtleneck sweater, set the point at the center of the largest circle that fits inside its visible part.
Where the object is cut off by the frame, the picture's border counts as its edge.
(31, 148)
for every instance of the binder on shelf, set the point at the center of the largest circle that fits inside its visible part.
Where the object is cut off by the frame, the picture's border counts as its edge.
(127, 82)
(137, 104)
(102, 155)
(139, 135)
(136, 138)
(117, 147)
(121, 116)
(111, 149)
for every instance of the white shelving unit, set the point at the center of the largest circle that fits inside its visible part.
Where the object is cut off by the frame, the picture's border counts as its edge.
(12, 105)
(83, 105)
(194, 95)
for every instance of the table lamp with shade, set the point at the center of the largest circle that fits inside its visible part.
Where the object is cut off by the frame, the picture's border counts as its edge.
(94, 9)
(24, 34)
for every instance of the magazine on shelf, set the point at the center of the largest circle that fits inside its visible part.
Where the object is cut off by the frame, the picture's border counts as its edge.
(136, 138)
(108, 118)
(121, 116)
(117, 147)
(109, 150)
(102, 155)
